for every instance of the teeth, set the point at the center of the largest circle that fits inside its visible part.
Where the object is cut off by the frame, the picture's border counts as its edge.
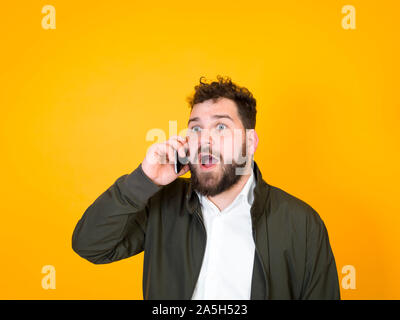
(205, 159)
(208, 159)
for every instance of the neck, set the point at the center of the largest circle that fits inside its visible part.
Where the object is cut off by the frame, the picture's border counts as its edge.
(224, 199)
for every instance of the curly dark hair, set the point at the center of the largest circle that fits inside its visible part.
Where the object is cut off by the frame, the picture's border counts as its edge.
(225, 88)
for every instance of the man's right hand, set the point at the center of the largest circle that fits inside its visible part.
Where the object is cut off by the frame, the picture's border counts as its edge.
(158, 164)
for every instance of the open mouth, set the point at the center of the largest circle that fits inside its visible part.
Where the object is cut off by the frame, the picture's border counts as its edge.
(207, 161)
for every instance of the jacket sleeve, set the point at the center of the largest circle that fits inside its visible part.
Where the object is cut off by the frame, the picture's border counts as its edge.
(321, 278)
(113, 226)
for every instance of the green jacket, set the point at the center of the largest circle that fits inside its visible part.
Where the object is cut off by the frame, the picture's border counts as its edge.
(293, 256)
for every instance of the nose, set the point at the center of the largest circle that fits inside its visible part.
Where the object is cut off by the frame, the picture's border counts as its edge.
(205, 138)
(206, 141)
(202, 142)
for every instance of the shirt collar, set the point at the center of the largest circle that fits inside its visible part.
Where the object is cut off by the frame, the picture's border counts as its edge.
(246, 194)
(261, 195)
(247, 190)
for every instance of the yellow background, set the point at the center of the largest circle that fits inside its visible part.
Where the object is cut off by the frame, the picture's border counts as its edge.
(77, 102)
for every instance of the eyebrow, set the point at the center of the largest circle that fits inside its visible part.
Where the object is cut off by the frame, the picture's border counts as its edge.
(215, 116)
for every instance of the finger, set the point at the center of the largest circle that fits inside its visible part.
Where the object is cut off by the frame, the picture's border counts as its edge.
(179, 138)
(162, 152)
(184, 169)
(170, 153)
(178, 146)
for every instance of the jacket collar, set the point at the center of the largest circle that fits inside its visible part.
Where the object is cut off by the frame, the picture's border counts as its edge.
(261, 192)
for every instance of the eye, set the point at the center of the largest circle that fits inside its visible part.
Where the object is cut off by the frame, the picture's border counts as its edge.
(195, 129)
(221, 126)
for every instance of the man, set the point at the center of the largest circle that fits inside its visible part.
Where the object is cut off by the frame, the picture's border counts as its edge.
(224, 233)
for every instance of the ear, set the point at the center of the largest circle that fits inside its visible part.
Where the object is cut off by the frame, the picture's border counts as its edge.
(252, 140)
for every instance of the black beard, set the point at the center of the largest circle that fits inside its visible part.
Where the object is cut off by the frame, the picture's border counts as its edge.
(228, 179)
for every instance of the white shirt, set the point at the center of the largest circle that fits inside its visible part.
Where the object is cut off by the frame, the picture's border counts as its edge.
(227, 269)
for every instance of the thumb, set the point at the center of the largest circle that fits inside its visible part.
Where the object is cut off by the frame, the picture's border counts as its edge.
(184, 169)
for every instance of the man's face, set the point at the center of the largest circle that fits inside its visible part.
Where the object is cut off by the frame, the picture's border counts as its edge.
(218, 146)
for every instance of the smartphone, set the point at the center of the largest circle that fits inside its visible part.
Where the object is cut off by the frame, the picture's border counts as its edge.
(180, 162)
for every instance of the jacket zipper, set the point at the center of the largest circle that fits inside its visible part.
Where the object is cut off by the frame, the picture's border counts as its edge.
(261, 261)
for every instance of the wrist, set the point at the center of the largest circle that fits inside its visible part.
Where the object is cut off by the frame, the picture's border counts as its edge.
(144, 168)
